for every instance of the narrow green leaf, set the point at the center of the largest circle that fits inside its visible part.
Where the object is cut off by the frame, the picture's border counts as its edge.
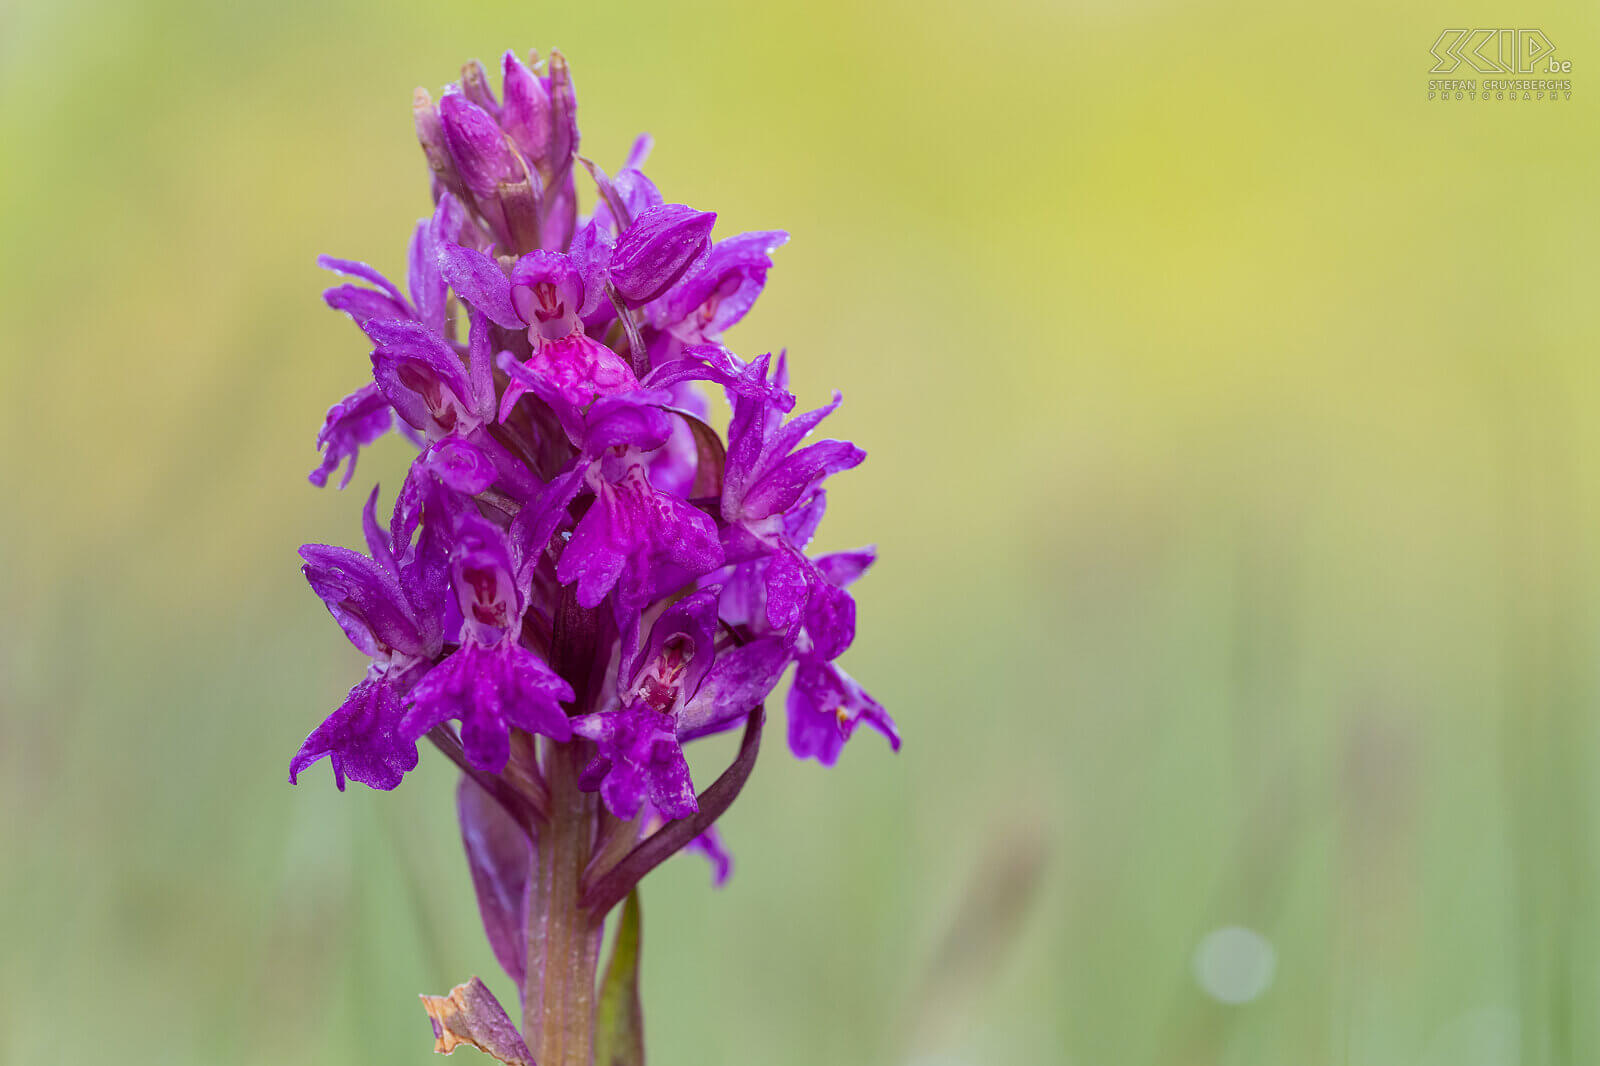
(619, 1018)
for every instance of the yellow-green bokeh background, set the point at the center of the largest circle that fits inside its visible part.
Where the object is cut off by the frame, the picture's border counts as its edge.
(1234, 465)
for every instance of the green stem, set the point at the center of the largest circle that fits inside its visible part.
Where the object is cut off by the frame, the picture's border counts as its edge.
(558, 1006)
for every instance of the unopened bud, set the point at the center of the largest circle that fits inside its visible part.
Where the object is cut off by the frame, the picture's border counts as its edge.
(662, 243)
(430, 134)
(480, 152)
(563, 116)
(525, 115)
(475, 86)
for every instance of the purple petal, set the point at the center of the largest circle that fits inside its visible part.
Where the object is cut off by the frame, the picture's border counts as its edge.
(795, 430)
(422, 377)
(475, 86)
(680, 651)
(634, 419)
(534, 525)
(721, 290)
(428, 288)
(480, 367)
(639, 758)
(576, 368)
(629, 534)
(364, 598)
(547, 292)
(484, 579)
(636, 192)
(591, 256)
(361, 739)
(785, 483)
(430, 134)
(379, 544)
(744, 594)
(489, 690)
(709, 844)
(830, 620)
(739, 681)
(366, 272)
(654, 252)
(523, 381)
(461, 465)
(479, 281)
(526, 111)
(713, 362)
(844, 568)
(825, 706)
(800, 523)
(364, 305)
(352, 423)
(639, 152)
(787, 587)
(560, 214)
(478, 147)
(563, 115)
(747, 440)
(601, 546)
(514, 477)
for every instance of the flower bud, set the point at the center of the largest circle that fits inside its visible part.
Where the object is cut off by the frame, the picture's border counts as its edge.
(430, 134)
(525, 115)
(563, 116)
(475, 86)
(654, 252)
(480, 152)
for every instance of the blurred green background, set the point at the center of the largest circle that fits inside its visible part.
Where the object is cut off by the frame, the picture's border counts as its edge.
(1233, 465)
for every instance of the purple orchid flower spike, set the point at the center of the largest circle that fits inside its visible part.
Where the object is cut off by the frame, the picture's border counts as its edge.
(583, 573)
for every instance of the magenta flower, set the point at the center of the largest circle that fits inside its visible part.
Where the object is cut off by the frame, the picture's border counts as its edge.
(825, 706)
(491, 683)
(583, 572)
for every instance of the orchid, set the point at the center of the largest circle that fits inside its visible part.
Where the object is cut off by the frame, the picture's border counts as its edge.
(580, 574)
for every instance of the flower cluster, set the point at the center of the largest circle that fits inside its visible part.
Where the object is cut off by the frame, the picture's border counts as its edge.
(576, 554)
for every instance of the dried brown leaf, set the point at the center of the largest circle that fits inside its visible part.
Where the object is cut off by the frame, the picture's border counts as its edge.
(471, 1015)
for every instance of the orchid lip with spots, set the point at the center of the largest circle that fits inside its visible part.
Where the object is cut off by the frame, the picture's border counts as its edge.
(580, 574)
